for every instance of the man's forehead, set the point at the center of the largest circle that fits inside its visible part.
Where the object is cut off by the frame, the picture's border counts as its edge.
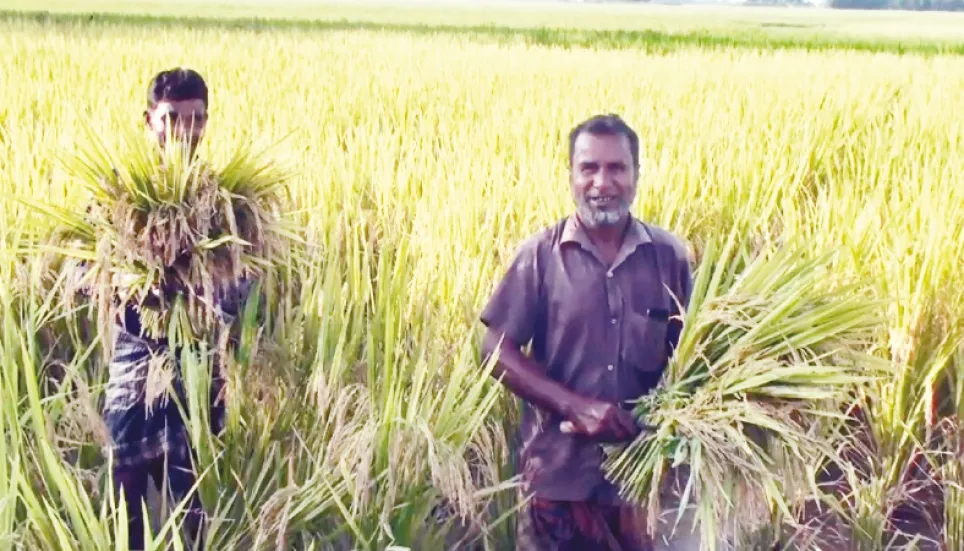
(592, 147)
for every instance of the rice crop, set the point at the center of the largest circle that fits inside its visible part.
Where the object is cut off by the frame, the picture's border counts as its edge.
(360, 415)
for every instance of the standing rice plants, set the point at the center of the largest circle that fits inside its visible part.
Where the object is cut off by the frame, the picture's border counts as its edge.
(421, 159)
(54, 503)
(952, 463)
(11, 437)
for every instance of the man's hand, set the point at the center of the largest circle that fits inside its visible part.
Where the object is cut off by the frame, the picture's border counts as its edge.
(600, 420)
(526, 379)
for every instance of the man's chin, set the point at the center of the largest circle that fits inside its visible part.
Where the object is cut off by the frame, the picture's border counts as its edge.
(602, 219)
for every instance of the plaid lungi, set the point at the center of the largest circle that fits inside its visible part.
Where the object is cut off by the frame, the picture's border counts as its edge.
(143, 430)
(545, 525)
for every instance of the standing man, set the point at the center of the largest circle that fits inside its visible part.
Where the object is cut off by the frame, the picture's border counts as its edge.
(596, 296)
(150, 441)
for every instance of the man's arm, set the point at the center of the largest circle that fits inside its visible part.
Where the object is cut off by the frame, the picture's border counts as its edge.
(512, 317)
(526, 379)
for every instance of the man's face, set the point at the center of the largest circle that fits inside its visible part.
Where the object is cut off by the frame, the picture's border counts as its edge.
(184, 120)
(603, 178)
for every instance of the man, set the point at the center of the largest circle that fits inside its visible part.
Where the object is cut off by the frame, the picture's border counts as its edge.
(150, 440)
(596, 295)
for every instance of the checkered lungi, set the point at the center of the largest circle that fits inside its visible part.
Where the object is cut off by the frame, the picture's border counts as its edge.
(545, 525)
(143, 431)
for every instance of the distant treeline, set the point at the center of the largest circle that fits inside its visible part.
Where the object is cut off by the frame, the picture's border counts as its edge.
(649, 40)
(916, 5)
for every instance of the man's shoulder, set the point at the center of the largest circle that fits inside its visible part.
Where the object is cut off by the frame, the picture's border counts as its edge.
(543, 239)
(671, 243)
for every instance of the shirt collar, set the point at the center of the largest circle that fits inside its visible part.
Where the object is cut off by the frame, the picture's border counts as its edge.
(574, 232)
(636, 236)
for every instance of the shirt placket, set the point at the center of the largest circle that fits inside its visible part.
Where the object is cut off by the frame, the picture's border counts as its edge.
(614, 301)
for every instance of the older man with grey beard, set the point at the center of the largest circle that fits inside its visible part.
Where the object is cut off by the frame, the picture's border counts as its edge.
(596, 296)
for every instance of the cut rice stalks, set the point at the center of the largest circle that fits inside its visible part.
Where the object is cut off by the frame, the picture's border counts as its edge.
(171, 236)
(772, 349)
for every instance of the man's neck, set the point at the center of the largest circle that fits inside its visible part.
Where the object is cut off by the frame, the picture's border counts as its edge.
(609, 236)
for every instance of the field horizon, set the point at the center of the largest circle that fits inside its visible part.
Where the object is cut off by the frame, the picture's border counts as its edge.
(775, 23)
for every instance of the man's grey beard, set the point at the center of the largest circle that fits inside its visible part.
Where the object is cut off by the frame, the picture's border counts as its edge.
(595, 218)
(601, 218)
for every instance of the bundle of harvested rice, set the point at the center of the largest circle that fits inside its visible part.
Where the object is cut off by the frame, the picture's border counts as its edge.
(171, 235)
(772, 348)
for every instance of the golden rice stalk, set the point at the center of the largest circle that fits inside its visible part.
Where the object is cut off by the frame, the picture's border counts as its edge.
(173, 236)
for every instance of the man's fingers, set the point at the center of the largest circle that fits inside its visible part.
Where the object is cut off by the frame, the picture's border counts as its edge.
(628, 423)
(616, 424)
(614, 427)
(623, 432)
(568, 427)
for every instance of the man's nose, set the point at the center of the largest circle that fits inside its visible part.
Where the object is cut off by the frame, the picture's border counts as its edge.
(602, 180)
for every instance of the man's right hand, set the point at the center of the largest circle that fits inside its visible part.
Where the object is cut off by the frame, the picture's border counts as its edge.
(600, 420)
(595, 419)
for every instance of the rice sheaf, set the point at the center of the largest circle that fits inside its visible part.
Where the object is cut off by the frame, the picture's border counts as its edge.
(170, 234)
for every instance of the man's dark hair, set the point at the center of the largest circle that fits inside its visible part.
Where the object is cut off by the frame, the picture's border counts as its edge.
(611, 125)
(178, 84)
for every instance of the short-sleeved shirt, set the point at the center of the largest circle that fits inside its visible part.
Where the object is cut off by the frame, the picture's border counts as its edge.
(605, 332)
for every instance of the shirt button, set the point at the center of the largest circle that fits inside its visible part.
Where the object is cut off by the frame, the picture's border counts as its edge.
(610, 367)
(614, 321)
(609, 274)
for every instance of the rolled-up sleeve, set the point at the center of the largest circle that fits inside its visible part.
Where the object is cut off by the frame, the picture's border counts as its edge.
(513, 308)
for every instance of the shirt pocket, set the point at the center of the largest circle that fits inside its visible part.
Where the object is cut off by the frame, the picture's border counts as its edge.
(644, 345)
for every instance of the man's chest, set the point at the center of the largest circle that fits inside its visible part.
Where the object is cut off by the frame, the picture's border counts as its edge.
(603, 327)
(582, 290)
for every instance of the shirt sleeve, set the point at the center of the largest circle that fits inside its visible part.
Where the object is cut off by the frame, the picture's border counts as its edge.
(234, 299)
(513, 309)
(128, 369)
(684, 277)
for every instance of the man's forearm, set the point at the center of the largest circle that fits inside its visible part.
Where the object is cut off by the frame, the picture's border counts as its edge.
(524, 377)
